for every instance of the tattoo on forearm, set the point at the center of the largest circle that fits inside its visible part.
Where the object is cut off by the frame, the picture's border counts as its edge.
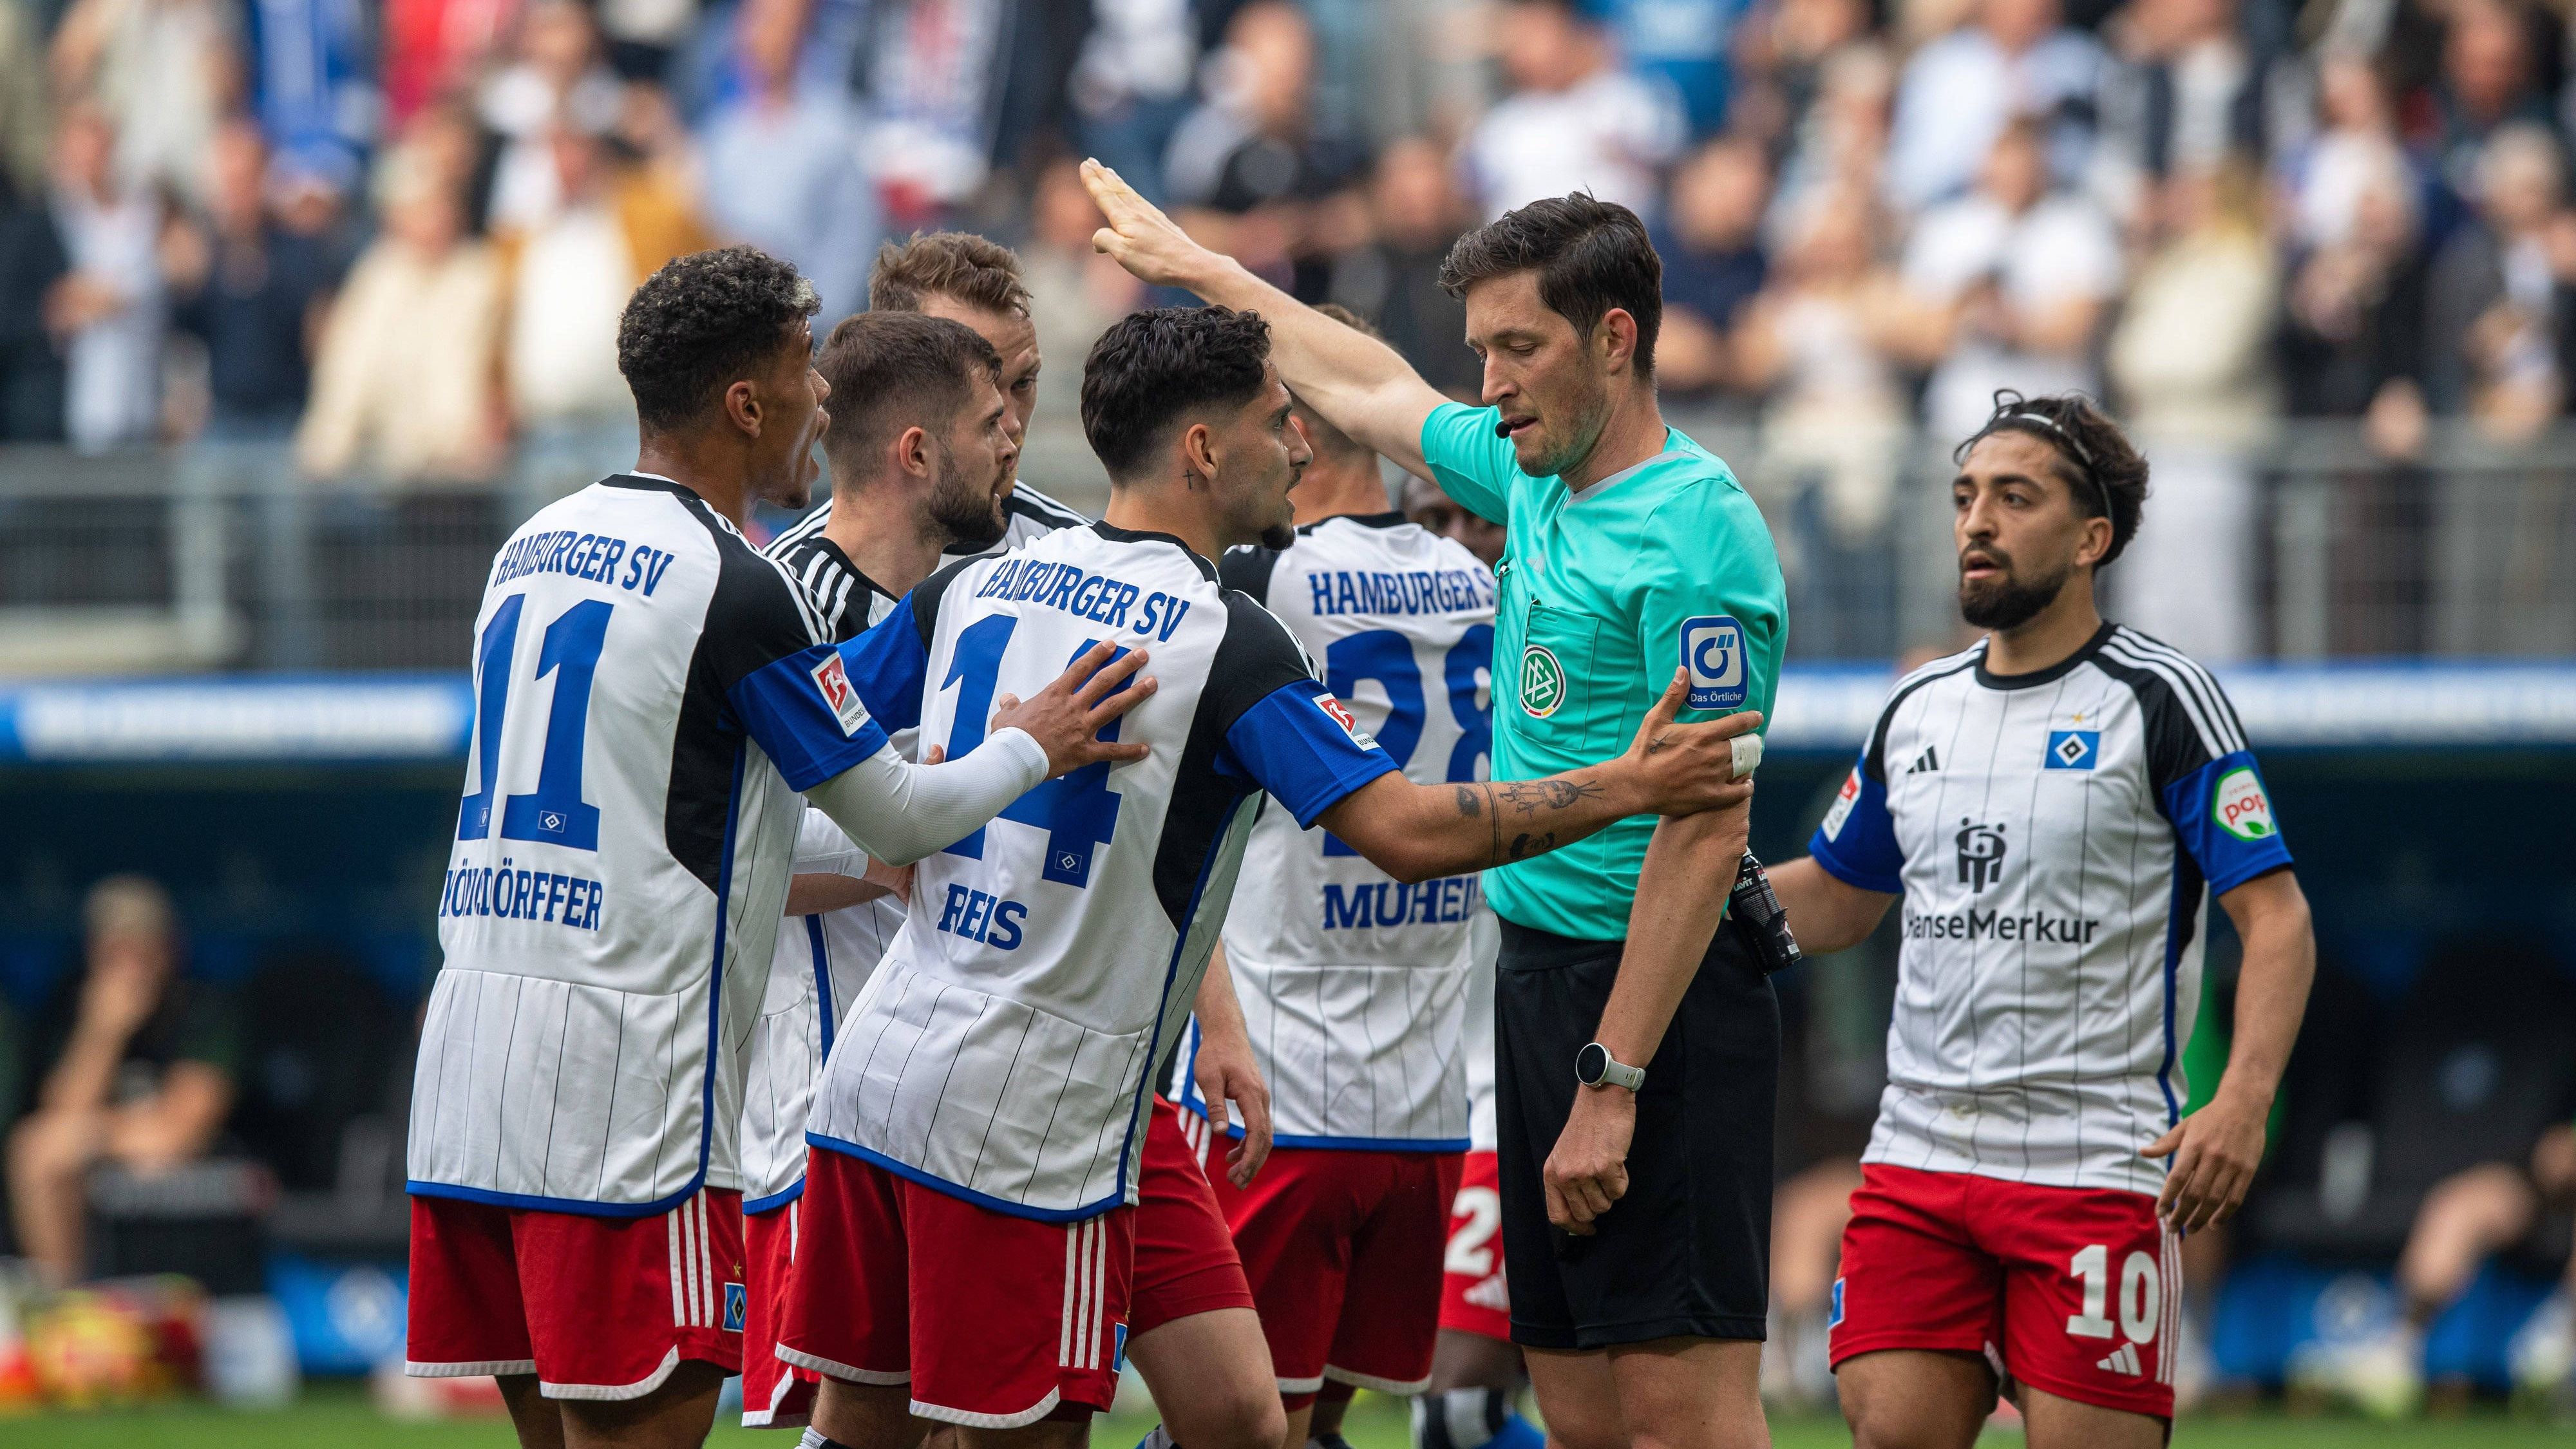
(1526, 798)
(1525, 846)
(1530, 796)
(1468, 803)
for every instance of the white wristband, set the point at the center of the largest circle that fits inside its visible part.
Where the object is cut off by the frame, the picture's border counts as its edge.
(1748, 753)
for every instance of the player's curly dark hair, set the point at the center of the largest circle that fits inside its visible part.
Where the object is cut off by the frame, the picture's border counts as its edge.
(702, 323)
(1153, 368)
(2104, 473)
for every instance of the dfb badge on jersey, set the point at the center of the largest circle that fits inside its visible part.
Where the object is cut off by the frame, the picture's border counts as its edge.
(2072, 749)
(1340, 714)
(832, 677)
(1713, 652)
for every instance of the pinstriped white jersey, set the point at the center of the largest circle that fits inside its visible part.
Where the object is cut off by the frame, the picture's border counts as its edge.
(1002, 1049)
(2056, 837)
(650, 692)
(1027, 514)
(1354, 984)
(821, 960)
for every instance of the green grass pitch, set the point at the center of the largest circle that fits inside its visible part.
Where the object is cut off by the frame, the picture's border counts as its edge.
(338, 1416)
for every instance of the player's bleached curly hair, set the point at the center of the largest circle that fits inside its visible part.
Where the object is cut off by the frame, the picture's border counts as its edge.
(702, 323)
(2104, 473)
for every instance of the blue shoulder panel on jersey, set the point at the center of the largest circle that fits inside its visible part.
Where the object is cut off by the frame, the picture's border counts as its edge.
(1293, 744)
(1857, 842)
(888, 665)
(2223, 814)
(806, 716)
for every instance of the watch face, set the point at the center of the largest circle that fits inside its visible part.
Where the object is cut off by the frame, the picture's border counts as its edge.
(1591, 1064)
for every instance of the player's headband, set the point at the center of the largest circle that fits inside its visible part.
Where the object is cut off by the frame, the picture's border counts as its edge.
(2032, 419)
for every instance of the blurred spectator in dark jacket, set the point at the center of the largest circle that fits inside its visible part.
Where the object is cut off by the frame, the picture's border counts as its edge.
(1714, 262)
(2490, 78)
(1247, 172)
(1394, 281)
(31, 364)
(252, 291)
(2499, 304)
(783, 170)
(2178, 98)
(135, 1067)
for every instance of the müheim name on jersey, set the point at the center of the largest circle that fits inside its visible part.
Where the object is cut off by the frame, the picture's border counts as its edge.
(1085, 595)
(591, 556)
(1380, 904)
(1422, 591)
(1996, 926)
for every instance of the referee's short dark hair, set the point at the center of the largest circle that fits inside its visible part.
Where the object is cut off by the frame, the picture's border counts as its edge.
(702, 323)
(2104, 473)
(1155, 367)
(1590, 256)
(894, 370)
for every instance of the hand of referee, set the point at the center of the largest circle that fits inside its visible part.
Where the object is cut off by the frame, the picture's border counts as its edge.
(1684, 769)
(1588, 1169)
(2215, 1152)
(1066, 717)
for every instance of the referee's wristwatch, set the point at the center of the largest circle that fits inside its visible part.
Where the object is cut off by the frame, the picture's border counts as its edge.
(1595, 1067)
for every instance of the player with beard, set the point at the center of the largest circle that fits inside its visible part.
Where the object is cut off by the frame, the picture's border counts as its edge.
(2056, 805)
(970, 1216)
(919, 451)
(1193, 1333)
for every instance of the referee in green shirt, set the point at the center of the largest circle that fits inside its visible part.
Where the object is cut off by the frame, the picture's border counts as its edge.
(1637, 1046)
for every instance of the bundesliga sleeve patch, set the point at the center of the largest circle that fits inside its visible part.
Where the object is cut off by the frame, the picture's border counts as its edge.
(1340, 714)
(833, 679)
(1843, 803)
(2240, 806)
(1713, 653)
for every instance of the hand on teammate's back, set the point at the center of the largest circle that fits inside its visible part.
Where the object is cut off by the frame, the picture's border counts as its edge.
(1066, 717)
(1139, 236)
(1687, 768)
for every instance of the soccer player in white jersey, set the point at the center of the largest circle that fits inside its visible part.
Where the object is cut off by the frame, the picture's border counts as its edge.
(1353, 986)
(2055, 806)
(919, 452)
(1193, 1334)
(968, 1221)
(649, 693)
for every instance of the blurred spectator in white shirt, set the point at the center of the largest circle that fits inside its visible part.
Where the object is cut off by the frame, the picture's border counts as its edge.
(1842, 142)
(1710, 238)
(404, 386)
(2027, 274)
(1574, 121)
(2354, 155)
(2191, 361)
(166, 71)
(783, 169)
(568, 282)
(1247, 172)
(111, 311)
(555, 81)
(2016, 60)
(1131, 85)
(2178, 96)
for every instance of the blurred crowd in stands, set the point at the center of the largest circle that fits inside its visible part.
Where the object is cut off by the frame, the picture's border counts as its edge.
(399, 234)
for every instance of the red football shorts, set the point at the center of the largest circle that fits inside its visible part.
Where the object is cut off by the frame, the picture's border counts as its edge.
(1473, 1296)
(775, 1395)
(995, 1320)
(1185, 1257)
(2075, 1291)
(596, 1308)
(1343, 1249)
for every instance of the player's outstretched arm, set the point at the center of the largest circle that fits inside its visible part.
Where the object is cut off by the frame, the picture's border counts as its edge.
(899, 812)
(1828, 913)
(1418, 832)
(2216, 1150)
(1359, 384)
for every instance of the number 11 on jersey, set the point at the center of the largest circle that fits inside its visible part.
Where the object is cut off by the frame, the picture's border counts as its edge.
(554, 813)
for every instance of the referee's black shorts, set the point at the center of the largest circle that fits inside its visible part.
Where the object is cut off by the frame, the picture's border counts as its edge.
(1687, 1252)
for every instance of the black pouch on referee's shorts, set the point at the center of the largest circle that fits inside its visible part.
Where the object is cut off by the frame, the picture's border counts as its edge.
(1756, 915)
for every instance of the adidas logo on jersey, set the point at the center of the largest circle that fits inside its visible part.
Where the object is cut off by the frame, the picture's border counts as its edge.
(1925, 763)
(2122, 1360)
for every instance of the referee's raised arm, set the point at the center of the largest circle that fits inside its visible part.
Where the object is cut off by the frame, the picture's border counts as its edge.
(1358, 383)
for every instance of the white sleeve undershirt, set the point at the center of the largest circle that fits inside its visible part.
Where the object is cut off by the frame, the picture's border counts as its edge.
(898, 812)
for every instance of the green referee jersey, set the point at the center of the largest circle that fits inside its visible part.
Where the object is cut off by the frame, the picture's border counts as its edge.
(1603, 593)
